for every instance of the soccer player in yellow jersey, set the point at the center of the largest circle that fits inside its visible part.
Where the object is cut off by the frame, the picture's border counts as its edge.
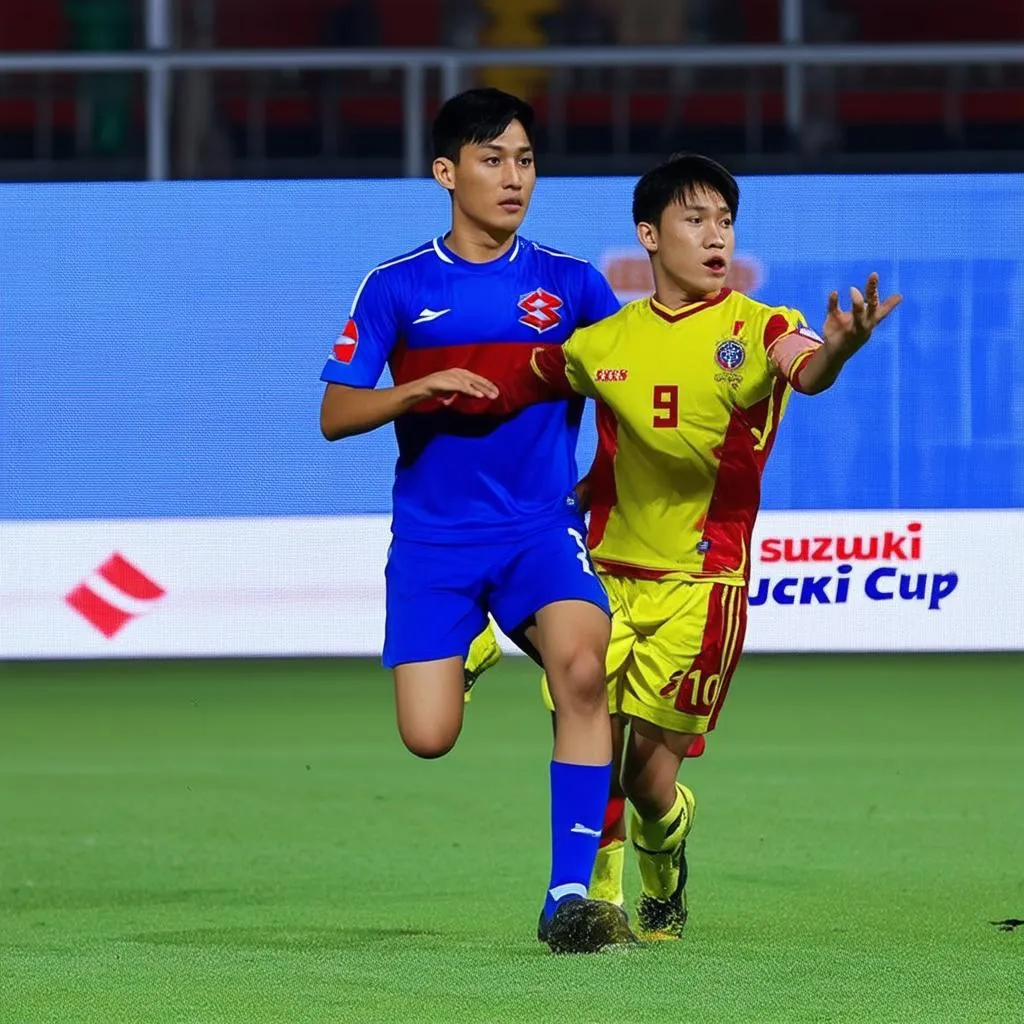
(691, 385)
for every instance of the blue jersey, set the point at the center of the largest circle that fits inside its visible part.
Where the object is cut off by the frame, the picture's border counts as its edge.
(473, 479)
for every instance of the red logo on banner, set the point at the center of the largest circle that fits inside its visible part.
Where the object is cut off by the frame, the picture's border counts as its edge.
(345, 346)
(114, 595)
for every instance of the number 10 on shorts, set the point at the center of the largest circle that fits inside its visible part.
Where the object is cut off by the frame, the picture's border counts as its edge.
(584, 555)
(697, 693)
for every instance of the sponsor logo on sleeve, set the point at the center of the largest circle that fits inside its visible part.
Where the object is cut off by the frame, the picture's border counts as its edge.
(346, 344)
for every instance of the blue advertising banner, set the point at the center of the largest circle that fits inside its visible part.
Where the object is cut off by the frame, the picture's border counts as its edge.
(161, 345)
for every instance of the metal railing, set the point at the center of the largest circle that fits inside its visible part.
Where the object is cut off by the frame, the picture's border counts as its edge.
(158, 62)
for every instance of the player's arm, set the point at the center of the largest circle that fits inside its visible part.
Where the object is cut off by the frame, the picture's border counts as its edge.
(346, 411)
(813, 369)
(352, 404)
(540, 376)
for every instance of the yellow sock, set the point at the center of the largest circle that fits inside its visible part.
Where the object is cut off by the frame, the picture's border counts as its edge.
(654, 841)
(484, 653)
(606, 881)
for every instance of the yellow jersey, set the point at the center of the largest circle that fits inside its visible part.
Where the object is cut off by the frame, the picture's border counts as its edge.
(689, 404)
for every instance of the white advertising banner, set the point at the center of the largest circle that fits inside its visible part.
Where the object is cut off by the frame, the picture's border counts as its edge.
(820, 581)
(887, 581)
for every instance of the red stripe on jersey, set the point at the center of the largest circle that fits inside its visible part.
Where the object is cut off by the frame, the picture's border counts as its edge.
(489, 359)
(396, 359)
(603, 493)
(777, 397)
(737, 493)
(674, 317)
(509, 365)
(777, 327)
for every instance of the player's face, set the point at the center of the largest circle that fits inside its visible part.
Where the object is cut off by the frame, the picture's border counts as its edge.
(493, 181)
(692, 247)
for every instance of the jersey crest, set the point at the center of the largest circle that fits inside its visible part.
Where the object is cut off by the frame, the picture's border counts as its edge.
(730, 354)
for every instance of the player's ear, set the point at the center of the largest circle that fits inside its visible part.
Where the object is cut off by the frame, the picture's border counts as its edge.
(444, 173)
(647, 236)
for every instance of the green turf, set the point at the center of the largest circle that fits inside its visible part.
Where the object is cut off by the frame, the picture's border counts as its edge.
(247, 842)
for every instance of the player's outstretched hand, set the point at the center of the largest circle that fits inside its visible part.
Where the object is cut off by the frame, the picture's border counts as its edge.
(845, 332)
(447, 384)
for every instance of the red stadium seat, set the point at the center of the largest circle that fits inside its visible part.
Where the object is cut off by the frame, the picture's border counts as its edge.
(21, 113)
(878, 107)
(410, 22)
(994, 106)
(761, 21)
(716, 108)
(906, 21)
(32, 25)
(271, 23)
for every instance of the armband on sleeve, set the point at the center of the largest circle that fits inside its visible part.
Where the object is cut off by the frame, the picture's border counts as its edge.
(790, 349)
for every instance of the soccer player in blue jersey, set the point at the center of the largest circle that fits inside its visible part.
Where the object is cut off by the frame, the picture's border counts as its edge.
(485, 518)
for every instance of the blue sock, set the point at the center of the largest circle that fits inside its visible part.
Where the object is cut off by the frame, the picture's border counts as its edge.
(579, 793)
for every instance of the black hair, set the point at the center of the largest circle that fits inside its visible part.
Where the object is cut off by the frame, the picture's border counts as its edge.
(475, 117)
(676, 180)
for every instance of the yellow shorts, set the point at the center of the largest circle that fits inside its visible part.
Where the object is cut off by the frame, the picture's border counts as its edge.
(673, 650)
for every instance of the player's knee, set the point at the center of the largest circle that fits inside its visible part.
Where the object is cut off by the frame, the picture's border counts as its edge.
(648, 798)
(652, 766)
(651, 791)
(581, 680)
(429, 748)
(429, 742)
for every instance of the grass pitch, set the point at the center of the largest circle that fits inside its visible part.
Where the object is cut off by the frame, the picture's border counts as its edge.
(222, 842)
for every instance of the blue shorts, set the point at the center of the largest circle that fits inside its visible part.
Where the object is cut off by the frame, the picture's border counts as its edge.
(438, 595)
